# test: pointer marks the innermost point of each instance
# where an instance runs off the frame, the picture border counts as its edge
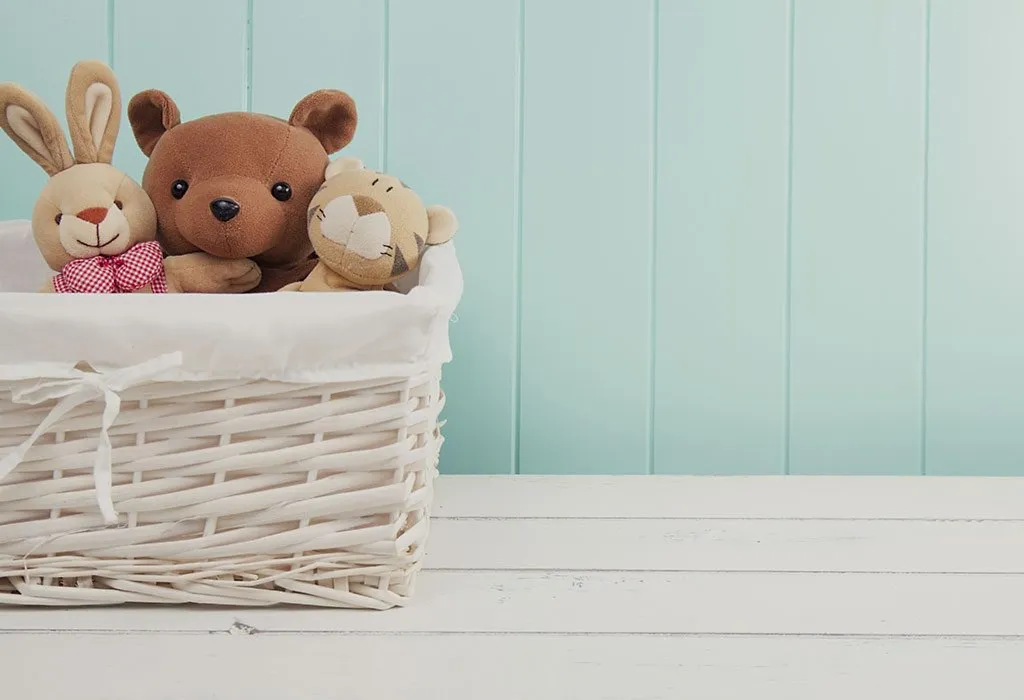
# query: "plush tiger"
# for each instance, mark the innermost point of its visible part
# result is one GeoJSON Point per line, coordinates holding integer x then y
{"type": "Point", "coordinates": [368, 229]}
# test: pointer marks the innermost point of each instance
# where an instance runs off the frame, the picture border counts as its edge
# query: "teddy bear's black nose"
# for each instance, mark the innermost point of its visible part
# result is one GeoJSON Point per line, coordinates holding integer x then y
{"type": "Point", "coordinates": [224, 209]}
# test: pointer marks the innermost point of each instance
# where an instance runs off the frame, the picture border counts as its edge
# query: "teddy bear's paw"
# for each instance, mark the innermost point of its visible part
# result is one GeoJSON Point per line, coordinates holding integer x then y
{"type": "Point", "coordinates": [201, 273]}
{"type": "Point", "coordinates": [241, 275]}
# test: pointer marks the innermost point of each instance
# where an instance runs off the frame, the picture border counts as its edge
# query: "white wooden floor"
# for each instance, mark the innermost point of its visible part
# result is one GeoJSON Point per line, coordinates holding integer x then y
{"type": "Point", "coordinates": [632, 588]}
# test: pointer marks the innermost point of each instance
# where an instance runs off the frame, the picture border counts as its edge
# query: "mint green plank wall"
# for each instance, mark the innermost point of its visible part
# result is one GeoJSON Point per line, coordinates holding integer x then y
{"type": "Point", "coordinates": [33, 54]}
{"type": "Point", "coordinates": [699, 236]}
{"type": "Point", "coordinates": [723, 145]}
{"type": "Point", "coordinates": [975, 388]}
{"type": "Point", "coordinates": [453, 107]}
{"type": "Point", "coordinates": [587, 236]}
{"type": "Point", "coordinates": [149, 51]}
{"type": "Point", "coordinates": [299, 47]}
{"type": "Point", "coordinates": [857, 232]}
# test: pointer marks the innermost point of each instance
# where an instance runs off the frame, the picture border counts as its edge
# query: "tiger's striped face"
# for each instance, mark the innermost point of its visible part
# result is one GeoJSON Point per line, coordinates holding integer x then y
{"type": "Point", "coordinates": [368, 227]}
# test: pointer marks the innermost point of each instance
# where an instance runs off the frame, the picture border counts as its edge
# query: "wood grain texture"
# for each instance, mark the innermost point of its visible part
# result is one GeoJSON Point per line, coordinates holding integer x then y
{"type": "Point", "coordinates": [39, 43]}
{"type": "Point", "coordinates": [625, 544]}
{"type": "Point", "coordinates": [586, 237]}
{"type": "Point", "coordinates": [720, 295]}
{"type": "Point", "coordinates": [298, 48]}
{"type": "Point", "coordinates": [505, 667]}
{"type": "Point", "coordinates": [975, 391]}
{"type": "Point", "coordinates": [747, 497]}
{"type": "Point", "coordinates": [857, 237]}
{"type": "Point", "coordinates": [605, 602]}
{"type": "Point", "coordinates": [452, 134]}
{"type": "Point", "coordinates": [149, 52]}
{"type": "Point", "coordinates": [563, 605]}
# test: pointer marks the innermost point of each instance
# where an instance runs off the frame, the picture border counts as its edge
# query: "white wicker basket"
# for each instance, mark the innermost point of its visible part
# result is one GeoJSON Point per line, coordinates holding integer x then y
{"type": "Point", "coordinates": [254, 450]}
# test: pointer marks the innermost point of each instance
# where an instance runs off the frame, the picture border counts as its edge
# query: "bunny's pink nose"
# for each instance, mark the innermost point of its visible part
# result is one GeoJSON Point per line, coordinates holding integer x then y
{"type": "Point", "coordinates": [94, 215]}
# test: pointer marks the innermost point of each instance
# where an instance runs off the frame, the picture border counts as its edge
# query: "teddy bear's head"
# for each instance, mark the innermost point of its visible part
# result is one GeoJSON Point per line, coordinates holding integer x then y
{"type": "Point", "coordinates": [370, 228]}
{"type": "Point", "coordinates": [237, 185]}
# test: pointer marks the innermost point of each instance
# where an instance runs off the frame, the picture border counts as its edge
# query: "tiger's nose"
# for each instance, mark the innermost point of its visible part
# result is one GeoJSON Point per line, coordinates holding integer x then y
{"type": "Point", "coordinates": [366, 205]}
{"type": "Point", "coordinates": [224, 209]}
{"type": "Point", "coordinates": [94, 215]}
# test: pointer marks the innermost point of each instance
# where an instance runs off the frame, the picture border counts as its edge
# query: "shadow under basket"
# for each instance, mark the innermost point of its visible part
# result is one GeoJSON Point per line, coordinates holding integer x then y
{"type": "Point", "coordinates": [248, 450]}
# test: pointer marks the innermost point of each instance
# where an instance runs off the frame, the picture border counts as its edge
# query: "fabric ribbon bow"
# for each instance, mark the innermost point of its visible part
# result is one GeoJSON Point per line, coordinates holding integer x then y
{"type": "Point", "coordinates": [133, 269]}
{"type": "Point", "coordinates": [77, 388]}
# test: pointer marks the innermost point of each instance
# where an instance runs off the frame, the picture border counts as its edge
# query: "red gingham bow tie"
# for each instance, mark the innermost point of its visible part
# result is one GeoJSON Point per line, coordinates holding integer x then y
{"type": "Point", "coordinates": [133, 269]}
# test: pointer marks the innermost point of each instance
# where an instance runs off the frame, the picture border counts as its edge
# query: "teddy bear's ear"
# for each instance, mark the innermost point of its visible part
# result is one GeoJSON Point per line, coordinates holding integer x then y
{"type": "Point", "coordinates": [443, 225]}
{"type": "Point", "coordinates": [342, 165]}
{"type": "Point", "coordinates": [152, 113]}
{"type": "Point", "coordinates": [330, 115]}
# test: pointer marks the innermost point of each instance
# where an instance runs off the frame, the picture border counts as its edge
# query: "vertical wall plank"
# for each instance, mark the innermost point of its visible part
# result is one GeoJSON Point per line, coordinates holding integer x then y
{"type": "Point", "coordinates": [723, 156]}
{"type": "Point", "coordinates": [39, 43]}
{"type": "Point", "coordinates": [975, 351]}
{"type": "Point", "coordinates": [857, 236]}
{"type": "Point", "coordinates": [195, 52]}
{"type": "Point", "coordinates": [587, 197]}
{"type": "Point", "coordinates": [300, 47]}
{"type": "Point", "coordinates": [452, 135]}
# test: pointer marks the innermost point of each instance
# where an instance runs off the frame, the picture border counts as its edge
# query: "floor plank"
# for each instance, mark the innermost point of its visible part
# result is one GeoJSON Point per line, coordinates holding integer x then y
{"type": "Point", "coordinates": [621, 544]}
{"type": "Point", "coordinates": [269, 667]}
{"type": "Point", "coordinates": [449, 602]}
{"type": "Point", "coordinates": [787, 497]}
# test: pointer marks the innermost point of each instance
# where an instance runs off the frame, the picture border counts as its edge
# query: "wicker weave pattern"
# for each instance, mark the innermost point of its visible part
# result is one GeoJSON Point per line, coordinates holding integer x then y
{"type": "Point", "coordinates": [230, 493]}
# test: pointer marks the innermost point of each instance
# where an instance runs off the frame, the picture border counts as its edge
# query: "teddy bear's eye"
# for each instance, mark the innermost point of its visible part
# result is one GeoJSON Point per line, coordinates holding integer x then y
{"type": "Point", "coordinates": [119, 204]}
{"type": "Point", "coordinates": [179, 188]}
{"type": "Point", "coordinates": [282, 191]}
{"type": "Point", "coordinates": [58, 218]}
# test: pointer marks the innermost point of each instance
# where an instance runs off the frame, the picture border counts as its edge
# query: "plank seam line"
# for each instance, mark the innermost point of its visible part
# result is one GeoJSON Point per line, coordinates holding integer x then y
{"type": "Point", "coordinates": [823, 636]}
{"type": "Point", "coordinates": [788, 312]}
{"type": "Point", "coordinates": [808, 572]}
{"type": "Point", "coordinates": [385, 88]}
{"type": "Point", "coordinates": [924, 234]}
{"type": "Point", "coordinates": [517, 248]}
{"type": "Point", "coordinates": [720, 518]}
{"type": "Point", "coordinates": [652, 263]}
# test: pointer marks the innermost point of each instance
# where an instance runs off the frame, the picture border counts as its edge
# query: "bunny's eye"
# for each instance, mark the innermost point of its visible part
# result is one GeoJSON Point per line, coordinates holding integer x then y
{"type": "Point", "coordinates": [119, 204]}
{"type": "Point", "coordinates": [58, 218]}
{"type": "Point", "coordinates": [179, 188]}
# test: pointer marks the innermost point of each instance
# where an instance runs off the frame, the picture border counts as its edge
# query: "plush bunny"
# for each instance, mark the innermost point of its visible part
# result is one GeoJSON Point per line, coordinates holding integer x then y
{"type": "Point", "coordinates": [369, 230]}
{"type": "Point", "coordinates": [93, 224]}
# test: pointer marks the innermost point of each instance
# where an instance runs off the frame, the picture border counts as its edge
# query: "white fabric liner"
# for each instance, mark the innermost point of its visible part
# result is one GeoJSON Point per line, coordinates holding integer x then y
{"type": "Point", "coordinates": [292, 337]}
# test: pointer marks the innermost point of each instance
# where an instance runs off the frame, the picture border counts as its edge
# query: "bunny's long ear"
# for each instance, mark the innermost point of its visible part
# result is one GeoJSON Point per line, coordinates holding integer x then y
{"type": "Point", "coordinates": [94, 111]}
{"type": "Point", "coordinates": [34, 128]}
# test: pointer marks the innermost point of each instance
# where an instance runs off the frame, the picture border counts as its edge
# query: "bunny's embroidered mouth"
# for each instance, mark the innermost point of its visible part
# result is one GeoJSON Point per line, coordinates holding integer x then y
{"type": "Point", "coordinates": [101, 245]}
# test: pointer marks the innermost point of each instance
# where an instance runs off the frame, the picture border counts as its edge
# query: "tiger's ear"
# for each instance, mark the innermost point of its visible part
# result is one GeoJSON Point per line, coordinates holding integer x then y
{"type": "Point", "coordinates": [342, 165]}
{"type": "Point", "coordinates": [443, 225]}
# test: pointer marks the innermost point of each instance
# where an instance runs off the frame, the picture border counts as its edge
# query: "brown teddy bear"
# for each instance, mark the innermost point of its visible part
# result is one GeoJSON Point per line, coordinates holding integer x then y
{"type": "Point", "coordinates": [369, 230]}
{"type": "Point", "coordinates": [231, 190]}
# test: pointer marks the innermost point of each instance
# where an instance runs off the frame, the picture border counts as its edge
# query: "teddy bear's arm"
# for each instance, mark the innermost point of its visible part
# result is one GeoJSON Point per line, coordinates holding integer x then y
{"type": "Point", "coordinates": [201, 273]}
